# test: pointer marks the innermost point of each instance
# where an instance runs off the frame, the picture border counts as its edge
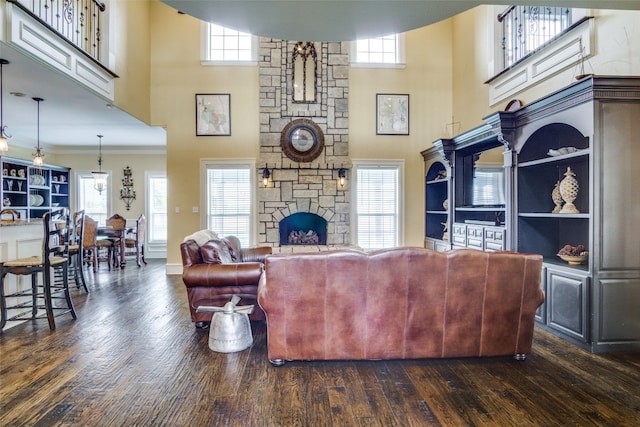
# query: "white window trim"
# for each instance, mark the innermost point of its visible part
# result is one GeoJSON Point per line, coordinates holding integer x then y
{"type": "Point", "coordinates": [204, 51]}
{"type": "Point", "coordinates": [153, 248]}
{"type": "Point", "coordinates": [371, 163]}
{"type": "Point", "coordinates": [87, 174]}
{"type": "Point", "coordinates": [400, 56]}
{"type": "Point", "coordinates": [244, 162]}
{"type": "Point", "coordinates": [559, 55]}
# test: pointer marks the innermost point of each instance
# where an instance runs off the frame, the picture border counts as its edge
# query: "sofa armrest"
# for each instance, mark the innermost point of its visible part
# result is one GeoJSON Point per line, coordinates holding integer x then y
{"type": "Point", "coordinates": [256, 254]}
{"type": "Point", "coordinates": [236, 274]}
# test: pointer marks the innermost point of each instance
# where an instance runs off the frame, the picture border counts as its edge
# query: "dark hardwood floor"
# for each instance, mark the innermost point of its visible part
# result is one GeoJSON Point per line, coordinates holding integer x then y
{"type": "Point", "coordinates": [133, 358]}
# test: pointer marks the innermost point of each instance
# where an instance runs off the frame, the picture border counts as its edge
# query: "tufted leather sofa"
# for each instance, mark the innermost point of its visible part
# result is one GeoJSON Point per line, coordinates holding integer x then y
{"type": "Point", "coordinates": [402, 303]}
{"type": "Point", "coordinates": [214, 269]}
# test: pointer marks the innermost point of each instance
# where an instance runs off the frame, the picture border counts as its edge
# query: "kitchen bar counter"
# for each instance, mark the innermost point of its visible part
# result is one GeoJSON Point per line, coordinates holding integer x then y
{"type": "Point", "coordinates": [19, 239]}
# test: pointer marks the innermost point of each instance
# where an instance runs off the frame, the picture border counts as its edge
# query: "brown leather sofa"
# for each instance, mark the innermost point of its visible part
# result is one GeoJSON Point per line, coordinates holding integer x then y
{"type": "Point", "coordinates": [218, 268]}
{"type": "Point", "coordinates": [402, 303]}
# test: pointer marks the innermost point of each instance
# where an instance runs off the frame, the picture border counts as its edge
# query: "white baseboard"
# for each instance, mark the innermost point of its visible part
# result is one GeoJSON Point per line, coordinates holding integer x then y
{"type": "Point", "coordinates": [173, 269]}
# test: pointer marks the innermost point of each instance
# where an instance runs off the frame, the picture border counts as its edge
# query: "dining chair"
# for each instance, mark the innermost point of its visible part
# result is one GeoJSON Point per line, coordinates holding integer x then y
{"type": "Point", "coordinates": [134, 240]}
{"type": "Point", "coordinates": [40, 299]}
{"type": "Point", "coordinates": [118, 224]}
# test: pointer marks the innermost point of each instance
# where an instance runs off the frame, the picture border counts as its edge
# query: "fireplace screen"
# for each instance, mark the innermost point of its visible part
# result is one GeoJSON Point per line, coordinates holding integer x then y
{"type": "Point", "coordinates": [303, 228]}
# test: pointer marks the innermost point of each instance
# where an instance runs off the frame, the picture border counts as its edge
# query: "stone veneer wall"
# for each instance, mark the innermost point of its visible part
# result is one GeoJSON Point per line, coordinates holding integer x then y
{"type": "Point", "coordinates": [304, 187]}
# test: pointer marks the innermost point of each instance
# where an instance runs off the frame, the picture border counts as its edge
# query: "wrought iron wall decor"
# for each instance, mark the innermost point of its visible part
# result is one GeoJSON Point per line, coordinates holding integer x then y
{"type": "Point", "coordinates": [127, 193]}
{"type": "Point", "coordinates": [304, 64]}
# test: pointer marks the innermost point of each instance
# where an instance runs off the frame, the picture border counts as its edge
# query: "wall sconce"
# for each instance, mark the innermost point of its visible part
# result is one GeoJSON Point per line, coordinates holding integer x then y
{"type": "Point", "coordinates": [127, 193]}
{"type": "Point", "coordinates": [342, 177]}
{"type": "Point", "coordinates": [266, 174]}
{"type": "Point", "coordinates": [99, 177]}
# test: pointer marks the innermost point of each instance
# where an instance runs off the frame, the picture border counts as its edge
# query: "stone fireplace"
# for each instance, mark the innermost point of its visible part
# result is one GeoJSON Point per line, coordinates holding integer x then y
{"type": "Point", "coordinates": [308, 188]}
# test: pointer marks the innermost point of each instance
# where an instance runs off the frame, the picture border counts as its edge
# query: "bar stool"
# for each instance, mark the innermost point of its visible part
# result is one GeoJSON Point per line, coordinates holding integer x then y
{"type": "Point", "coordinates": [42, 295]}
{"type": "Point", "coordinates": [90, 242]}
{"type": "Point", "coordinates": [76, 249]}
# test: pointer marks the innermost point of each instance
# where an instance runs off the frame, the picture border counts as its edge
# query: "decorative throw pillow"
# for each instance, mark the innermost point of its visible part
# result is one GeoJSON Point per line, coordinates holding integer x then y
{"type": "Point", "coordinates": [216, 251]}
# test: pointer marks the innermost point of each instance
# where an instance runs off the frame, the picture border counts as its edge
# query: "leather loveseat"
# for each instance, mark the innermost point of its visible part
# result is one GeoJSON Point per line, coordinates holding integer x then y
{"type": "Point", "coordinates": [214, 269]}
{"type": "Point", "coordinates": [401, 303]}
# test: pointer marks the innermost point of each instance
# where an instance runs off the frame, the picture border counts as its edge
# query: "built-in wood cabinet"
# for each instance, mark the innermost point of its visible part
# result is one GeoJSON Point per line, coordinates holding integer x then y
{"type": "Point", "coordinates": [33, 190]}
{"type": "Point", "coordinates": [437, 193]}
{"type": "Point", "coordinates": [589, 131]}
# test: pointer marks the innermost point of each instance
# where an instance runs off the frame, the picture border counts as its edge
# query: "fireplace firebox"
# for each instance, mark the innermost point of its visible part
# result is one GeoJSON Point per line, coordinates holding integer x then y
{"type": "Point", "coordinates": [303, 228]}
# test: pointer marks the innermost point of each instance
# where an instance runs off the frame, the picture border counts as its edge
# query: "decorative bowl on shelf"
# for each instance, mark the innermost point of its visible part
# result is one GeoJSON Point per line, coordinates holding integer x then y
{"type": "Point", "coordinates": [574, 259]}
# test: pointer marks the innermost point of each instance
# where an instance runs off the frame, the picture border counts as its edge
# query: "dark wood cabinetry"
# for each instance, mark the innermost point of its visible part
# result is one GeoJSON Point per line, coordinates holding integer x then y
{"type": "Point", "coordinates": [437, 192]}
{"type": "Point", "coordinates": [33, 190]}
{"type": "Point", "coordinates": [587, 130]}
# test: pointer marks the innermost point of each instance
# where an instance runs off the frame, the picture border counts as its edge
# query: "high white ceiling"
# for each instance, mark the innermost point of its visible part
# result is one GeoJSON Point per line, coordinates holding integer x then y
{"type": "Point", "coordinates": [71, 116]}
{"type": "Point", "coordinates": [344, 20]}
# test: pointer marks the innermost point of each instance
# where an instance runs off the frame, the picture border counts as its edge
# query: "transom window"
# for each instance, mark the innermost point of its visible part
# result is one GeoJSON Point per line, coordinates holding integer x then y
{"type": "Point", "coordinates": [228, 46]}
{"type": "Point", "coordinates": [379, 51]}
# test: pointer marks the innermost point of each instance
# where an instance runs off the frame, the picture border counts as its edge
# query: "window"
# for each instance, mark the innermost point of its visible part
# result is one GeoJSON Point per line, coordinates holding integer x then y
{"type": "Point", "coordinates": [96, 205]}
{"type": "Point", "coordinates": [378, 193]}
{"type": "Point", "coordinates": [157, 207]}
{"type": "Point", "coordinates": [224, 45]}
{"type": "Point", "coordinates": [380, 51]}
{"type": "Point", "coordinates": [229, 198]}
{"type": "Point", "coordinates": [525, 29]}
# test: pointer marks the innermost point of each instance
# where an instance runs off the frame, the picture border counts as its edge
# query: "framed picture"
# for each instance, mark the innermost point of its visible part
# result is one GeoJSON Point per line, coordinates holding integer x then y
{"type": "Point", "coordinates": [213, 114]}
{"type": "Point", "coordinates": [392, 114]}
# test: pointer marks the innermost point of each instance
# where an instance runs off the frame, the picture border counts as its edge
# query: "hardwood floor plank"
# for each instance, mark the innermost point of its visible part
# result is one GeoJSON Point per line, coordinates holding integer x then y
{"type": "Point", "coordinates": [133, 357]}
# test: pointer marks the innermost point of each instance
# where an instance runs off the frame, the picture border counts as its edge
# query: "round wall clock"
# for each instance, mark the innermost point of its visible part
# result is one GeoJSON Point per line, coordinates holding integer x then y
{"type": "Point", "coordinates": [302, 140]}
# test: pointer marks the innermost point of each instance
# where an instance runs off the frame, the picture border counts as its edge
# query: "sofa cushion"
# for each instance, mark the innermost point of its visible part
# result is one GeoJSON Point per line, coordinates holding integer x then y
{"type": "Point", "coordinates": [216, 251]}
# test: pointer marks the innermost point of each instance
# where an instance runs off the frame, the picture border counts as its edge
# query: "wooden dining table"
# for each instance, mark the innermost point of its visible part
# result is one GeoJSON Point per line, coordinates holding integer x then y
{"type": "Point", "coordinates": [115, 233]}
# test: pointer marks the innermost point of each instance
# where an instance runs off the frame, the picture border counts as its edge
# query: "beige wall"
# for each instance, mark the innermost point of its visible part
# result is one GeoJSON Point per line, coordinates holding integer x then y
{"type": "Point", "coordinates": [131, 37]}
{"type": "Point", "coordinates": [175, 79]}
{"type": "Point", "coordinates": [427, 80]}
{"type": "Point", "coordinates": [114, 163]}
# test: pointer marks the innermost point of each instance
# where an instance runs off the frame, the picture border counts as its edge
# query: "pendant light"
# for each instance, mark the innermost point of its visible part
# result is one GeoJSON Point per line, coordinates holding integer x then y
{"type": "Point", "coordinates": [38, 156]}
{"type": "Point", "coordinates": [99, 177]}
{"type": "Point", "coordinates": [4, 144]}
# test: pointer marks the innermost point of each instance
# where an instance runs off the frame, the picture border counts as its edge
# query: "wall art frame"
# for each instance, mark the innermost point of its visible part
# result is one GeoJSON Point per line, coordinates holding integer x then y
{"type": "Point", "coordinates": [392, 114]}
{"type": "Point", "coordinates": [213, 114]}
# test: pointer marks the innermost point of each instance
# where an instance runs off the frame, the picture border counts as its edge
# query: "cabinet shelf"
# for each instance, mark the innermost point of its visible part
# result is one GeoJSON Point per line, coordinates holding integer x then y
{"type": "Point", "coordinates": [45, 181]}
{"type": "Point", "coordinates": [553, 215]}
{"type": "Point", "coordinates": [480, 209]}
{"type": "Point", "coordinates": [564, 158]}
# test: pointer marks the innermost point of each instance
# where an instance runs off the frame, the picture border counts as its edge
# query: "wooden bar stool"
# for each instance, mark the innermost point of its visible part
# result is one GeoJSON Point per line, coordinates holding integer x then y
{"type": "Point", "coordinates": [76, 249]}
{"type": "Point", "coordinates": [43, 295]}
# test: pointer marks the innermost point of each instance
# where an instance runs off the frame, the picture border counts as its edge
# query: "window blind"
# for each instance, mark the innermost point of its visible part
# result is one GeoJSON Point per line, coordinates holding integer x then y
{"type": "Point", "coordinates": [377, 207]}
{"type": "Point", "coordinates": [229, 201]}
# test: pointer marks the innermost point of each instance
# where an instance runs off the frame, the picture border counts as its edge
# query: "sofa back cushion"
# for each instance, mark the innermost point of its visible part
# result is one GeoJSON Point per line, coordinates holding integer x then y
{"type": "Point", "coordinates": [216, 251]}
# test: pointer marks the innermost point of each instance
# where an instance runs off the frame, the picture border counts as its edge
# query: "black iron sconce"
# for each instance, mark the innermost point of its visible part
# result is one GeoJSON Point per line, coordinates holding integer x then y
{"type": "Point", "coordinates": [266, 174]}
{"type": "Point", "coordinates": [127, 193]}
{"type": "Point", "coordinates": [342, 177]}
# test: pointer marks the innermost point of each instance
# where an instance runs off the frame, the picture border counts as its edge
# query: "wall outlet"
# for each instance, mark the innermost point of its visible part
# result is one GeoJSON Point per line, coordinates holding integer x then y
{"type": "Point", "coordinates": [195, 209]}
